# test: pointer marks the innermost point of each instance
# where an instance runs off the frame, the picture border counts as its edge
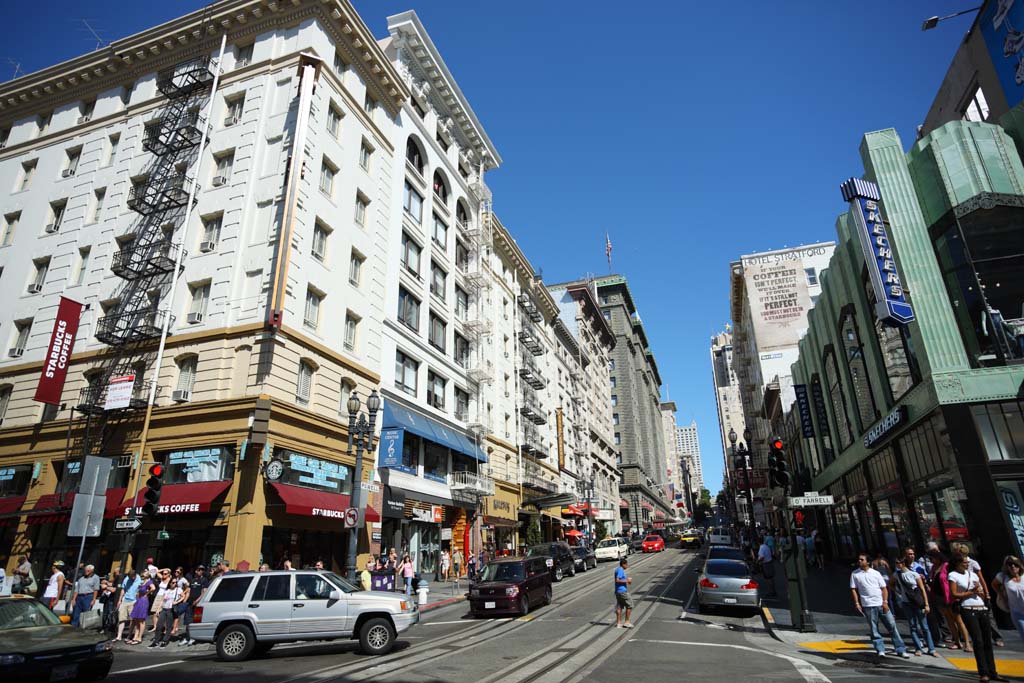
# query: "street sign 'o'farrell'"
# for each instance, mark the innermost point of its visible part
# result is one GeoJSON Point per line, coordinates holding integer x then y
{"type": "Point", "coordinates": [809, 501]}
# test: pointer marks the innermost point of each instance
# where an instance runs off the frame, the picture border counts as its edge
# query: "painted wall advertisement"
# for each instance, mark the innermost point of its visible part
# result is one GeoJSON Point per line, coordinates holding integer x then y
{"type": "Point", "coordinates": [1002, 27]}
{"type": "Point", "coordinates": [779, 300]}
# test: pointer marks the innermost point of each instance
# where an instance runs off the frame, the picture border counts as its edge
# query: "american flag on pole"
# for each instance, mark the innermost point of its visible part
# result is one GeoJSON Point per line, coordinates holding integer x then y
{"type": "Point", "coordinates": [608, 250]}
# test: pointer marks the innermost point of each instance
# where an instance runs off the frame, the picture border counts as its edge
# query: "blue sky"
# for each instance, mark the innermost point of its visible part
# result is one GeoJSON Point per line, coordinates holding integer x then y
{"type": "Point", "coordinates": [692, 132]}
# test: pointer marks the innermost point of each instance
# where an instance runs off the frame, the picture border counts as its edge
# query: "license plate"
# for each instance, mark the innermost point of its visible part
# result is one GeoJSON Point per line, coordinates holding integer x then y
{"type": "Point", "coordinates": [63, 673]}
{"type": "Point", "coordinates": [730, 601]}
{"type": "Point", "coordinates": [489, 605]}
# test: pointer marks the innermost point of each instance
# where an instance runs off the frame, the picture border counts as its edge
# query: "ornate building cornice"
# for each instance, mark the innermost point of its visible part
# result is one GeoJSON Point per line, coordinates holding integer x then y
{"type": "Point", "coordinates": [163, 46]}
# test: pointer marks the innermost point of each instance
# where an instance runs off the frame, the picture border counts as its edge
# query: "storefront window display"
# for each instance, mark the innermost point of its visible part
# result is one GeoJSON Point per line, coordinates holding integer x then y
{"type": "Point", "coordinates": [428, 546]}
{"type": "Point", "coordinates": [14, 480]}
{"type": "Point", "coordinates": [1001, 428]}
{"type": "Point", "coordinates": [213, 463]}
{"type": "Point", "coordinates": [309, 472]}
{"type": "Point", "coordinates": [435, 462]}
{"type": "Point", "coordinates": [410, 454]}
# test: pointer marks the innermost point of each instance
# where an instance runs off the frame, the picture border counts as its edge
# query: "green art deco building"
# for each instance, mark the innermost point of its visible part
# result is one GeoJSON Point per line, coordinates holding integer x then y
{"type": "Point", "coordinates": [917, 430]}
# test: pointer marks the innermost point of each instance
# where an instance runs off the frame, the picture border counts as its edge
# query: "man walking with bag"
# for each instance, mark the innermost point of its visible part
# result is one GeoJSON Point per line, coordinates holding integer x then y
{"type": "Point", "coordinates": [871, 598]}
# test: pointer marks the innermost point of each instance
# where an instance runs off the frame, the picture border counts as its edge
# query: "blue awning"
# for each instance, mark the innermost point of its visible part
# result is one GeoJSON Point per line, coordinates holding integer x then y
{"type": "Point", "coordinates": [400, 417]}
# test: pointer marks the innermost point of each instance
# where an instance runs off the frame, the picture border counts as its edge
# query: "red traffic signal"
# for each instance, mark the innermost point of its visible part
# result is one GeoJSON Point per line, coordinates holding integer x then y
{"type": "Point", "coordinates": [777, 444]}
{"type": "Point", "coordinates": [156, 470]}
{"type": "Point", "coordinates": [798, 516]}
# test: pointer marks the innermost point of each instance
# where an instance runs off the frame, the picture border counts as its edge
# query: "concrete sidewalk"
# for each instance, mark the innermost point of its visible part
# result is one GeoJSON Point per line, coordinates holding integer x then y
{"type": "Point", "coordinates": [842, 633]}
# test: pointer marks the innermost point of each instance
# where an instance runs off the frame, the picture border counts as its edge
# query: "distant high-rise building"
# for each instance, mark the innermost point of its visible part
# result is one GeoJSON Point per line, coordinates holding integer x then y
{"type": "Point", "coordinates": [727, 399]}
{"type": "Point", "coordinates": [688, 447]}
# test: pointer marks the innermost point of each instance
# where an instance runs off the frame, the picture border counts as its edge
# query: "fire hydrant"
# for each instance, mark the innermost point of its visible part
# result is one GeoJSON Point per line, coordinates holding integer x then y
{"type": "Point", "coordinates": [422, 590]}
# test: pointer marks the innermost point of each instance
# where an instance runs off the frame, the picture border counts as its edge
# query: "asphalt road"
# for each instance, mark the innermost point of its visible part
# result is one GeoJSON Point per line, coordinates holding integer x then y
{"type": "Point", "coordinates": [573, 639]}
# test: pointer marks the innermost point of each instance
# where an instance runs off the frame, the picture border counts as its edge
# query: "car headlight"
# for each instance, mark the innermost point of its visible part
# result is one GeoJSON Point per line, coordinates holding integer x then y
{"type": "Point", "coordinates": [408, 606]}
{"type": "Point", "coordinates": [105, 646]}
{"type": "Point", "coordinates": [8, 660]}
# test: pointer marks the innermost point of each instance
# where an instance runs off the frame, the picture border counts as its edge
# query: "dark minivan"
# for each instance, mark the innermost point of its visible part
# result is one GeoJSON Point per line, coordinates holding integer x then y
{"type": "Point", "coordinates": [510, 586]}
{"type": "Point", "coordinates": [563, 562]}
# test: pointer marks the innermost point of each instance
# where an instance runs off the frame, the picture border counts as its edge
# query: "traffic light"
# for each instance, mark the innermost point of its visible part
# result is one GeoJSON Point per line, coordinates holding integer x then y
{"type": "Point", "coordinates": [778, 468]}
{"type": "Point", "coordinates": [152, 495]}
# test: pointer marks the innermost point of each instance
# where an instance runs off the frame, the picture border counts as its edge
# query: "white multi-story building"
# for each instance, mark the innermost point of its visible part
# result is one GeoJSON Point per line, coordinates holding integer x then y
{"type": "Point", "coordinates": [688, 447]}
{"type": "Point", "coordinates": [674, 472]}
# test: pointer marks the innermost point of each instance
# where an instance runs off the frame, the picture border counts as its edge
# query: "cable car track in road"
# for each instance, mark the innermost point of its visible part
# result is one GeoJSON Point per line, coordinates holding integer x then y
{"type": "Point", "coordinates": [429, 650]}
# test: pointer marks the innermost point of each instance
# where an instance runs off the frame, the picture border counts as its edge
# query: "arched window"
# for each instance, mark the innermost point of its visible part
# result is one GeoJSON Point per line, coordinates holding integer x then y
{"type": "Point", "coordinates": [414, 155]}
{"type": "Point", "coordinates": [440, 188]}
{"type": "Point", "coordinates": [187, 367]}
{"type": "Point", "coordinates": [835, 392]}
{"type": "Point", "coordinates": [854, 351]}
{"type": "Point", "coordinates": [304, 383]}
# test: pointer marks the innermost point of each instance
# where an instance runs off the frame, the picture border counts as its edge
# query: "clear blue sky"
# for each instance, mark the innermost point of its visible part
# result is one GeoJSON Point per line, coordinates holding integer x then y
{"type": "Point", "coordinates": [692, 132]}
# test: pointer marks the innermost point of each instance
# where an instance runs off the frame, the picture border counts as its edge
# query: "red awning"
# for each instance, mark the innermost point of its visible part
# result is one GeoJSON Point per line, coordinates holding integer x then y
{"type": "Point", "coordinates": [312, 503]}
{"type": "Point", "coordinates": [8, 506]}
{"type": "Point", "coordinates": [584, 507]}
{"type": "Point", "coordinates": [115, 503]}
{"type": "Point", "coordinates": [623, 503]}
{"type": "Point", "coordinates": [62, 513]}
{"type": "Point", "coordinates": [572, 510]}
{"type": "Point", "coordinates": [659, 514]}
{"type": "Point", "coordinates": [647, 506]}
{"type": "Point", "coordinates": [176, 499]}
{"type": "Point", "coordinates": [573, 532]}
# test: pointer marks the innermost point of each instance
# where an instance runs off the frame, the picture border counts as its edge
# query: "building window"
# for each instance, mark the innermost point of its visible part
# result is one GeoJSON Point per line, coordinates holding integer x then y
{"type": "Point", "coordinates": [461, 405]}
{"type": "Point", "coordinates": [99, 197]}
{"type": "Point", "coordinates": [320, 233]}
{"type": "Point", "coordinates": [612, 381]}
{"type": "Point", "coordinates": [327, 173]}
{"type": "Point", "coordinates": [461, 256]}
{"type": "Point", "coordinates": [615, 418]}
{"type": "Point", "coordinates": [435, 390]}
{"type": "Point", "coordinates": [41, 268]}
{"type": "Point", "coordinates": [812, 276]}
{"type": "Point", "coordinates": [28, 171]}
{"type": "Point", "coordinates": [461, 351]}
{"type": "Point", "coordinates": [22, 329]}
{"type": "Point", "coordinates": [243, 55]}
{"type": "Point", "coordinates": [408, 309]}
{"type": "Point", "coordinates": [618, 438]}
{"type": "Point", "coordinates": [339, 64]}
{"type": "Point", "coordinates": [56, 215]}
{"type": "Point", "coordinates": [413, 203]}
{"type": "Point", "coordinates": [611, 364]}
{"type": "Point", "coordinates": [414, 155]}
{"type": "Point", "coordinates": [411, 255]}
{"type": "Point", "coordinates": [345, 390]}
{"type": "Point", "coordinates": [311, 316]}
{"type": "Point", "coordinates": [355, 268]}
{"type": "Point", "coordinates": [351, 330]}
{"type": "Point", "coordinates": [86, 110]}
{"type": "Point", "coordinates": [607, 314]}
{"type": "Point", "coordinates": [369, 104]}
{"type": "Point", "coordinates": [211, 234]}
{"type": "Point", "coordinates": [365, 152]}
{"type": "Point", "coordinates": [461, 303]}
{"type": "Point", "coordinates": [225, 162]}
{"type": "Point", "coordinates": [333, 121]}
{"type": "Point", "coordinates": [5, 400]}
{"type": "Point", "coordinates": [438, 281]}
{"type": "Point", "coordinates": [200, 300]}
{"type": "Point", "coordinates": [5, 135]}
{"type": "Point", "coordinates": [976, 108]}
{"type": "Point", "coordinates": [863, 394]}
{"type": "Point", "coordinates": [187, 373]}
{"type": "Point", "coordinates": [438, 332]}
{"type": "Point", "coordinates": [10, 225]}
{"type": "Point", "coordinates": [83, 265]}
{"type": "Point", "coordinates": [615, 400]}
{"type": "Point", "coordinates": [838, 399]}
{"type": "Point", "coordinates": [112, 143]}
{"type": "Point", "coordinates": [71, 165]}
{"type": "Point", "coordinates": [405, 373]}
{"type": "Point", "coordinates": [440, 189]}
{"type": "Point", "coordinates": [233, 115]}
{"type": "Point", "coordinates": [304, 383]}
{"type": "Point", "coordinates": [440, 234]}
{"type": "Point", "coordinates": [362, 204]}
{"type": "Point", "coordinates": [43, 123]}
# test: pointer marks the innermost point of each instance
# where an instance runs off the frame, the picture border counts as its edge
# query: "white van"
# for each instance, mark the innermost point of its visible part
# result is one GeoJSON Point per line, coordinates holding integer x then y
{"type": "Point", "coordinates": [720, 535]}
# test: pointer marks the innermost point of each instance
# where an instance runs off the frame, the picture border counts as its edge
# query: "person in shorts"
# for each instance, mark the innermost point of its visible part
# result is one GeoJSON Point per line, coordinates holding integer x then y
{"type": "Point", "coordinates": [623, 601]}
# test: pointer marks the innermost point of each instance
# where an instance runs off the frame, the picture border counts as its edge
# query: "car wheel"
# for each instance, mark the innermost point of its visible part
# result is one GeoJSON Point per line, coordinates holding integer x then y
{"type": "Point", "coordinates": [558, 574]}
{"type": "Point", "coordinates": [235, 643]}
{"type": "Point", "coordinates": [262, 649]}
{"type": "Point", "coordinates": [572, 569]}
{"type": "Point", "coordinates": [547, 595]}
{"type": "Point", "coordinates": [377, 636]}
{"type": "Point", "coordinates": [524, 605]}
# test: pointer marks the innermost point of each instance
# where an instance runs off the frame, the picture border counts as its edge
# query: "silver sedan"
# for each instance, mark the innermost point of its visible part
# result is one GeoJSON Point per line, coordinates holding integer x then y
{"type": "Point", "coordinates": [726, 583]}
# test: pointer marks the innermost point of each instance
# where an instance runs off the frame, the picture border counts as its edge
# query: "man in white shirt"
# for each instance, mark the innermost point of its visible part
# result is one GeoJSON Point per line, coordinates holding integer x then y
{"type": "Point", "coordinates": [766, 561]}
{"type": "Point", "coordinates": [871, 598]}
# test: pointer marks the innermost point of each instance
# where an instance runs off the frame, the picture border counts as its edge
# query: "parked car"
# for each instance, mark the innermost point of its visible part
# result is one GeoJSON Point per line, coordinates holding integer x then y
{"type": "Point", "coordinates": [36, 645]}
{"type": "Point", "coordinates": [691, 539]}
{"type": "Point", "coordinates": [511, 586]}
{"type": "Point", "coordinates": [636, 544]}
{"type": "Point", "coordinates": [653, 544]}
{"type": "Point", "coordinates": [584, 557]}
{"type": "Point", "coordinates": [725, 583]}
{"type": "Point", "coordinates": [611, 549]}
{"type": "Point", "coordinates": [562, 563]}
{"type": "Point", "coordinates": [719, 535]}
{"type": "Point", "coordinates": [248, 613]}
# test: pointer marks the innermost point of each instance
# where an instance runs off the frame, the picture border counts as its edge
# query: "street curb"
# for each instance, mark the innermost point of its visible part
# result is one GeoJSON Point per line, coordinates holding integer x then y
{"type": "Point", "coordinates": [769, 623]}
{"type": "Point", "coordinates": [442, 603]}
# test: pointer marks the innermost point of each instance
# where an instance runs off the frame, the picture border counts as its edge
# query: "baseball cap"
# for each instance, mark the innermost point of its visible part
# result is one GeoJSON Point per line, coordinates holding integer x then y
{"type": "Point", "coordinates": [58, 563]}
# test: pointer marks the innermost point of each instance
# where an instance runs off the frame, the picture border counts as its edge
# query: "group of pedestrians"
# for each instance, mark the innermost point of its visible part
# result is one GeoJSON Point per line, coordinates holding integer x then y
{"type": "Point", "coordinates": [946, 600]}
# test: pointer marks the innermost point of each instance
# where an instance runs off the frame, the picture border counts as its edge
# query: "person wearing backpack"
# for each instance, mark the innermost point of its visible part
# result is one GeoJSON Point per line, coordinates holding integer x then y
{"type": "Point", "coordinates": [912, 599]}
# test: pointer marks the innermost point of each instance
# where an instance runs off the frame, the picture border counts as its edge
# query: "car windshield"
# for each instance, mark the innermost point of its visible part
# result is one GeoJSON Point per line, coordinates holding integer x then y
{"type": "Point", "coordinates": [502, 571]}
{"type": "Point", "coordinates": [16, 614]}
{"type": "Point", "coordinates": [721, 553]}
{"type": "Point", "coordinates": [652, 539]}
{"type": "Point", "coordinates": [726, 568]}
{"type": "Point", "coordinates": [607, 544]}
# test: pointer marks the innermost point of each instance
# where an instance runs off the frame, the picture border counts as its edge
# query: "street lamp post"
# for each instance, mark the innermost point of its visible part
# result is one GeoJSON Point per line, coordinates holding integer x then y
{"type": "Point", "coordinates": [685, 467]}
{"type": "Point", "coordinates": [636, 513]}
{"type": "Point", "coordinates": [360, 434]}
{"type": "Point", "coordinates": [744, 453]}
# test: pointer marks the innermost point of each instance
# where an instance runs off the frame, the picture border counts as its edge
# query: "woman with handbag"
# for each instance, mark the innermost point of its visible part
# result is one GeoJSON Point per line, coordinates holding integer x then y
{"type": "Point", "coordinates": [967, 587]}
{"type": "Point", "coordinates": [938, 582]}
{"type": "Point", "coordinates": [1009, 588]}
{"type": "Point", "coordinates": [912, 599]}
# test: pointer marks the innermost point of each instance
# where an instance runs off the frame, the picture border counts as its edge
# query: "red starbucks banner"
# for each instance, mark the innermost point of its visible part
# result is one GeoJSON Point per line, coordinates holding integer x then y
{"type": "Point", "coordinates": [58, 352]}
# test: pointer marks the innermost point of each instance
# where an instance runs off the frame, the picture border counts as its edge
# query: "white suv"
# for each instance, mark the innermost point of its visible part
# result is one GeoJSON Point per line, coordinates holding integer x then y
{"type": "Point", "coordinates": [611, 549]}
{"type": "Point", "coordinates": [247, 613]}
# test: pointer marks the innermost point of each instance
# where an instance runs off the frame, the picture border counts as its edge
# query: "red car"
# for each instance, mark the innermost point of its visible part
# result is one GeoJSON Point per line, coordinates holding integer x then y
{"type": "Point", "coordinates": [653, 544]}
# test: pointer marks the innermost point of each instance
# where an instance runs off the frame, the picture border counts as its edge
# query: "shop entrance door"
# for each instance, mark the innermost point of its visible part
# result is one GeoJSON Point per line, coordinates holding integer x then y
{"type": "Point", "coordinates": [313, 611]}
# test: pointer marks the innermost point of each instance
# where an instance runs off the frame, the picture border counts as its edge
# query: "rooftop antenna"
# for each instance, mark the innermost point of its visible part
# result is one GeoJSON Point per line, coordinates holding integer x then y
{"type": "Point", "coordinates": [17, 68]}
{"type": "Point", "coordinates": [99, 41]}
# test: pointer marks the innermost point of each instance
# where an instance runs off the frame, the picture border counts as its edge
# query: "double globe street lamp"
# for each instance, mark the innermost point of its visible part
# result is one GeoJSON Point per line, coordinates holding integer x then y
{"type": "Point", "coordinates": [360, 434]}
{"type": "Point", "coordinates": [742, 455]}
